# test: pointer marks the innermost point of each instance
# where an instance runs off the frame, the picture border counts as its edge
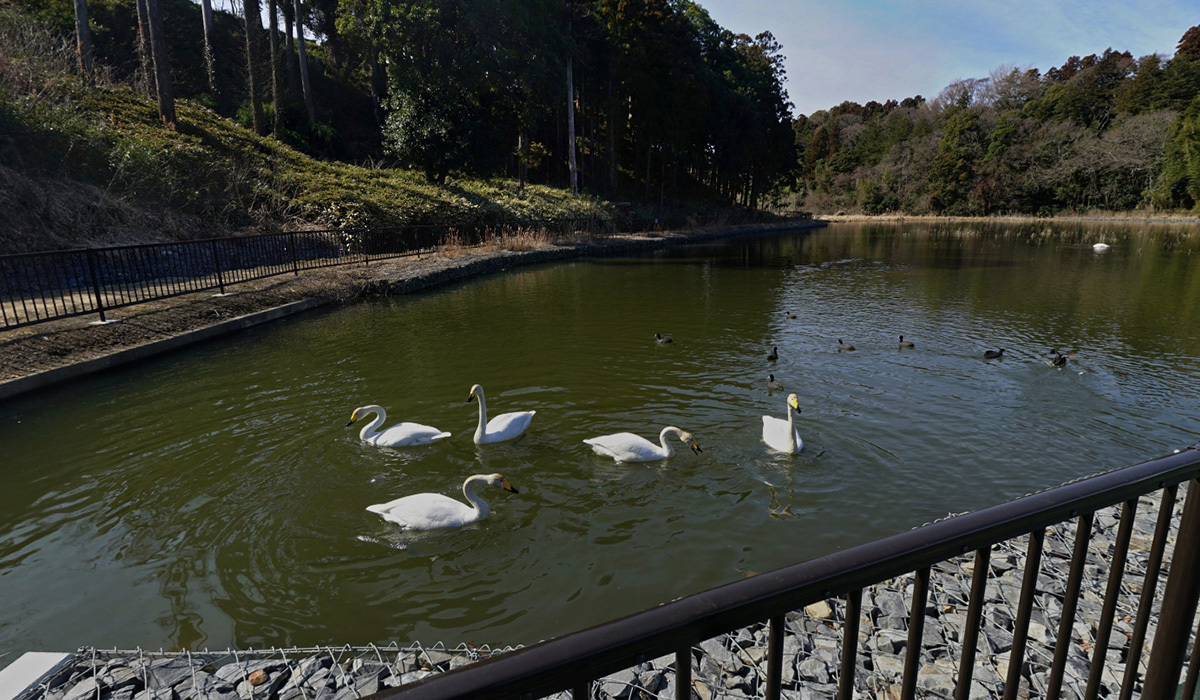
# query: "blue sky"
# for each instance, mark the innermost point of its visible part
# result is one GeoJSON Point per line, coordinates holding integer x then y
{"type": "Point", "coordinates": [859, 50]}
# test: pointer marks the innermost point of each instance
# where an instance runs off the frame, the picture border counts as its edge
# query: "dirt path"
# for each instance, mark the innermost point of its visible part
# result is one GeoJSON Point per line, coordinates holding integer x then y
{"type": "Point", "coordinates": [36, 349]}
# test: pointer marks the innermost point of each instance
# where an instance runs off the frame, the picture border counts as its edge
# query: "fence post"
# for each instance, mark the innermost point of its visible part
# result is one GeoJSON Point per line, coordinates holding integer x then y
{"type": "Point", "coordinates": [1178, 605]}
{"type": "Point", "coordinates": [217, 264]}
{"type": "Point", "coordinates": [91, 255]}
{"type": "Point", "coordinates": [295, 256]}
{"type": "Point", "coordinates": [362, 241]}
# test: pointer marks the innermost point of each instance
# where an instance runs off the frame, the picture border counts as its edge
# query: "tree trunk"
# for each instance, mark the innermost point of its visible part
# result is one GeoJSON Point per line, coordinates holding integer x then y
{"type": "Point", "coordinates": [252, 14]}
{"type": "Point", "coordinates": [378, 82]}
{"type": "Point", "coordinates": [520, 161]}
{"type": "Point", "coordinates": [304, 82]}
{"type": "Point", "coordinates": [162, 70]}
{"type": "Point", "coordinates": [273, 43]}
{"type": "Point", "coordinates": [144, 50]}
{"type": "Point", "coordinates": [83, 41]}
{"type": "Point", "coordinates": [210, 34]}
{"type": "Point", "coordinates": [289, 51]}
{"type": "Point", "coordinates": [612, 141]}
{"type": "Point", "coordinates": [571, 128]}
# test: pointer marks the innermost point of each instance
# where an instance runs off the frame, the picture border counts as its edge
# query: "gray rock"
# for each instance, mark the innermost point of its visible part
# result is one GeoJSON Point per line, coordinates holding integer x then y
{"type": "Point", "coordinates": [156, 694]}
{"type": "Point", "coordinates": [618, 685]}
{"type": "Point", "coordinates": [83, 690]}
{"type": "Point", "coordinates": [652, 680]}
{"type": "Point", "coordinates": [240, 671]}
{"type": "Point", "coordinates": [890, 603]}
{"type": "Point", "coordinates": [813, 669]}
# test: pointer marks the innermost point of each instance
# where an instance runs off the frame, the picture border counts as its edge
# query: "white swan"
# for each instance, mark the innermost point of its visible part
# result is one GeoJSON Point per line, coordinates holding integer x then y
{"type": "Point", "coordinates": [399, 435]}
{"type": "Point", "coordinates": [781, 434]}
{"type": "Point", "coordinates": [1100, 247]}
{"type": "Point", "coordinates": [627, 447]}
{"type": "Point", "coordinates": [504, 427]}
{"type": "Point", "coordinates": [429, 511]}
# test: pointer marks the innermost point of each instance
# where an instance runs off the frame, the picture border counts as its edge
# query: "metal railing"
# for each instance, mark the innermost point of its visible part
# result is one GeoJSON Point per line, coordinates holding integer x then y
{"type": "Point", "coordinates": [39, 287]}
{"type": "Point", "coordinates": [572, 663]}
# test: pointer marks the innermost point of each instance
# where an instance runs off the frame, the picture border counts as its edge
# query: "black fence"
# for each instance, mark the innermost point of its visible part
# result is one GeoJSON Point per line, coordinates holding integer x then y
{"type": "Point", "coordinates": [572, 663]}
{"type": "Point", "coordinates": [38, 287]}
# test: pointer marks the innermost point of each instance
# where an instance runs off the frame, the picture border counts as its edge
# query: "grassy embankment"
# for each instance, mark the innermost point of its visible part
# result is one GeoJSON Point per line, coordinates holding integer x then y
{"type": "Point", "coordinates": [94, 166]}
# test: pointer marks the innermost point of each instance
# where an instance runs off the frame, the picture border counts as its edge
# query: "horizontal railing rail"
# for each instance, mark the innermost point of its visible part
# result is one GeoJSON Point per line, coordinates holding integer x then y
{"type": "Point", "coordinates": [39, 287]}
{"type": "Point", "coordinates": [573, 662]}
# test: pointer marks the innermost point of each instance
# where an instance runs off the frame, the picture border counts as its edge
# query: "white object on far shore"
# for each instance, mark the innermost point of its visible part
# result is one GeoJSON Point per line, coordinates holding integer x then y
{"type": "Point", "coordinates": [502, 428]}
{"type": "Point", "coordinates": [780, 434]}
{"type": "Point", "coordinates": [627, 447]}
{"type": "Point", "coordinates": [1100, 247]}
{"type": "Point", "coordinates": [429, 511]}
{"type": "Point", "coordinates": [399, 435]}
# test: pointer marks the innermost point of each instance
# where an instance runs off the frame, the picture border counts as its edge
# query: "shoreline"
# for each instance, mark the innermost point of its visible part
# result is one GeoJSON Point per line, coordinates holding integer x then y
{"type": "Point", "coordinates": [1007, 219]}
{"type": "Point", "coordinates": [48, 354]}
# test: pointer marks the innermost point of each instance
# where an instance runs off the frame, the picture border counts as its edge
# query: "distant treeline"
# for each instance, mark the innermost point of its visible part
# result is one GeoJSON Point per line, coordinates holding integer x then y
{"type": "Point", "coordinates": [1106, 131]}
{"type": "Point", "coordinates": [645, 99]}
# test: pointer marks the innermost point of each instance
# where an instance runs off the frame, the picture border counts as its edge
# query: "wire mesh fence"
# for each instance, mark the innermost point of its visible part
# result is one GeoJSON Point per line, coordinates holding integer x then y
{"type": "Point", "coordinates": [38, 287]}
{"type": "Point", "coordinates": [290, 673]}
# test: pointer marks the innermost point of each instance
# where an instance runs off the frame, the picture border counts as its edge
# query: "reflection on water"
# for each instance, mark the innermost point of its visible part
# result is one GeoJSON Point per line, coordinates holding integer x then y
{"type": "Point", "coordinates": [214, 496]}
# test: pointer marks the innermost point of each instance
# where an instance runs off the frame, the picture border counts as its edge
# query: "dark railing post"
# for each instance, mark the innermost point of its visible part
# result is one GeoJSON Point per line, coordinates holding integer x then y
{"type": "Point", "coordinates": [850, 644]}
{"type": "Point", "coordinates": [1179, 603]}
{"type": "Point", "coordinates": [1149, 587]}
{"type": "Point", "coordinates": [916, 633]}
{"type": "Point", "coordinates": [91, 255]}
{"type": "Point", "coordinates": [683, 674]}
{"type": "Point", "coordinates": [295, 255]}
{"type": "Point", "coordinates": [1016, 654]}
{"type": "Point", "coordinates": [1062, 645]}
{"type": "Point", "coordinates": [217, 264]}
{"type": "Point", "coordinates": [774, 657]}
{"type": "Point", "coordinates": [1116, 572]}
{"type": "Point", "coordinates": [979, 576]}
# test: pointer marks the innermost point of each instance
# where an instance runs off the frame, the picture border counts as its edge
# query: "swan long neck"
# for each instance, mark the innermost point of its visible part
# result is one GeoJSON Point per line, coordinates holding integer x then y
{"type": "Point", "coordinates": [479, 431]}
{"type": "Point", "coordinates": [791, 424]}
{"type": "Point", "coordinates": [371, 429]}
{"type": "Point", "coordinates": [480, 505]}
{"type": "Point", "coordinates": [662, 439]}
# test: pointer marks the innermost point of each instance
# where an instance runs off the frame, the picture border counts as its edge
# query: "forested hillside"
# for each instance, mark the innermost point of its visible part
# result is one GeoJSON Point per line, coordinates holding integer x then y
{"type": "Point", "coordinates": [1107, 131]}
{"type": "Point", "coordinates": [647, 100]}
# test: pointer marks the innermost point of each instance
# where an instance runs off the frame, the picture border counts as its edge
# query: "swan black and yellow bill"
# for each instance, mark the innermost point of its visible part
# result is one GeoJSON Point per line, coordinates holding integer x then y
{"type": "Point", "coordinates": [696, 447]}
{"type": "Point", "coordinates": [507, 486]}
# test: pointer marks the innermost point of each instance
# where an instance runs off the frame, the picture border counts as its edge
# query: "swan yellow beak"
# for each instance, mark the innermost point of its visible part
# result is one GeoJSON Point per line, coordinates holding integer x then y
{"type": "Point", "coordinates": [696, 447]}
{"type": "Point", "coordinates": [794, 402]}
{"type": "Point", "coordinates": [471, 397]}
{"type": "Point", "coordinates": [353, 417]}
{"type": "Point", "coordinates": [505, 485]}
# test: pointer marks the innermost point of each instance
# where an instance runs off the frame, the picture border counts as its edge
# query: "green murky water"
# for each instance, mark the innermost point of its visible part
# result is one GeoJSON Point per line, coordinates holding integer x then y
{"type": "Point", "coordinates": [214, 496]}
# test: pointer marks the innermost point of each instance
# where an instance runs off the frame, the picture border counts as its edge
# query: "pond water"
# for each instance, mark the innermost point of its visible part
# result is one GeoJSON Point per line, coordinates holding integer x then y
{"type": "Point", "coordinates": [215, 497]}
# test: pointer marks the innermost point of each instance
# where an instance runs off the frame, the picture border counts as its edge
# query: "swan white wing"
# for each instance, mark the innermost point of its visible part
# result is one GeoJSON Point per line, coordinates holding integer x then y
{"type": "Point", "coordinates": [426, 511]}
{"type": "Point", "coordinates": [507, 426]}
{"type": "Point", "coordinates": [626, 447]}
{"type": "Point", "coordinates": [778, 435]}
{"type": "Point", "coordinates": [404, 434]}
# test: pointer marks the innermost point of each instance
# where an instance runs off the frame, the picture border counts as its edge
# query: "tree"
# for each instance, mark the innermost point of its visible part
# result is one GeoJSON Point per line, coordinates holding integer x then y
{"type": "Point", "coordinates": [273, 45]}
{"type": "Point", "coordinates": [1189, 43]}
{"type": "Point", "coordinates": [953, 167]}
{"type": "Point", "coordinates": [305, 83]}
{"type": "Point", "coordinates": [162, 70]}
{"type": "Point", "coordinates": [83, 41]}
{"type": "Point", "coordinates": [252, 13]}
{"type": "Point", "coordinates": [210, 31]}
